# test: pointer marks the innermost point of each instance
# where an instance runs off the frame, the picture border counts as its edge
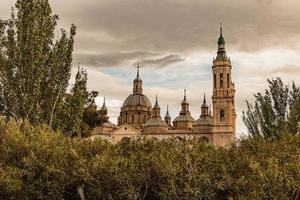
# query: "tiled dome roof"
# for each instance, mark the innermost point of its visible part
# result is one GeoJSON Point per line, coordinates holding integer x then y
{"type": "Point", "coordinates": [204, 121]}
{"type": "Point", "coordinates": [137, 100]}
{"type": "Point", "coordinates": [184, 118]}
{"type": "Point", "coordinates": [156, 122]}
{"type": "Point", "coordinates": [109, 124]}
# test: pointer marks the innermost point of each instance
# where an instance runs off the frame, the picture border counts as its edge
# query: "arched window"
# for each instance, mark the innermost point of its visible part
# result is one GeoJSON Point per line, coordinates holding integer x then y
{"type": "Point", "coordinates": [215, 81]}
{"type": "Point", "coordinates": [125, 140]}
{"type": "Point", "coordinates": [221, 80]}
{"type": "Point", "coordinates": [145, 119]}
{"type": "Point", "coordinates": [132, 118]}
{"type": "Point", "coordinates": [204, 140]}
{"type": "Point", "coordinates": [228, 80]}
{"type": "Point", "coordinates": [222, 116]}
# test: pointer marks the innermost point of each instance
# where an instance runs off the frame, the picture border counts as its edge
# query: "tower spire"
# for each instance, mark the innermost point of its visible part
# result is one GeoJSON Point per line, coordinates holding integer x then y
{"type": "Point", "coordinates": [168, 117]}
{"type": "Point", "coordinates": [156, 109]}
{"type": "Point", "coordinates": [184, 98]}
{"type": "Point", "coordinates": [138, 71]}
{"type": "Point", "coordinates": [104, 108]}
{"type": "Point", "coordinates": [204, 101]}
{"type": "Point", "coordinates": [138, 83]}
{"type": "Point", "coordinates": [221, 29]}
{"type": "Point", "coordinates": [221, 46]}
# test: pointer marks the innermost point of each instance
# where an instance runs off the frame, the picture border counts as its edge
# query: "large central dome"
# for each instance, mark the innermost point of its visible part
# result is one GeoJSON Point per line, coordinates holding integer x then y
{"type": "Point", "coordinates": [134, 100]}
{"type": "Point", "coordinates": [137, 108]}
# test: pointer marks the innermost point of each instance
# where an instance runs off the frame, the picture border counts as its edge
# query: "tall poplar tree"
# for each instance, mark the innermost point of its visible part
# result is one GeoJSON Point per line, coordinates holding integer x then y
{"type": "Point", "coordinates": [70, 113]}
{"type": "Point", "coordinates": [34, 67]}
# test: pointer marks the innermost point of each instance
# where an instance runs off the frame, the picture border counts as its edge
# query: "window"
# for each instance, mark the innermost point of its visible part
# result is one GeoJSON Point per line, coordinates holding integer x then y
{"type": "Point", "coordinates": [215, 81]}
{"type": "Point", "coordinates": [221, 80]}
{"type": "Point", "coordinates": [228, 80]}
{"type": "Point", "coordinates": [222, 116]}
{"type": "Point", "coordinates": [132, 119]}
{"type": "Point", "coordinates": [204, 140]}
{"type": "Point", "coordinates": [145, 119]}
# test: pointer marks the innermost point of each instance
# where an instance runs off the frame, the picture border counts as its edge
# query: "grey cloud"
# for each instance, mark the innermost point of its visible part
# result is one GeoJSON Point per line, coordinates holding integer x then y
{"type": "Point", "coordinates": [289, 69]}
{"type": "Point", "coordinates": [177, 26]}
{"type": "Point", "coordinates": [111, 59]}
{"type": "Point", "coordinates": [162, 62]}
{"type": "Point", "coordinates": [114, 59]}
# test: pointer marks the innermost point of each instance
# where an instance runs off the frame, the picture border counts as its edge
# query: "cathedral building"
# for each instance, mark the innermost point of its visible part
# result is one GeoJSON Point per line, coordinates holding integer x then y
{"type": "Point", "coordinates": [216, 125]}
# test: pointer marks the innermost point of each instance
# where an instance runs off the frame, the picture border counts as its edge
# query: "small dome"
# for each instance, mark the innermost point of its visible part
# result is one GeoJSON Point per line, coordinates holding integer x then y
{"type": "Point", "coordinates": [137, 100]}
{"type": "Point", "coordinates": [184, 118]}
{"type": "Point", "coordinates": [204, 121]}
{"type": "Point", "coordinates": [138, 79]}
{"type": "Point", "coordinates": [109, 125]}
{"type": "Point", "coordinates": [156, 122]}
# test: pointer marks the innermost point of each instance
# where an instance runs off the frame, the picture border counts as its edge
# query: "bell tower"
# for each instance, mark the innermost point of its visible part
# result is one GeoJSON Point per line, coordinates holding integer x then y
{"type": "Point", "coordinates": [224, 115]}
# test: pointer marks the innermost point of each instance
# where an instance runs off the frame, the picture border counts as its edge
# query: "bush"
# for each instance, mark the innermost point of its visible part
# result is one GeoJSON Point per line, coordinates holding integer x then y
{"type": "Point", "coordinates": [38, 163]}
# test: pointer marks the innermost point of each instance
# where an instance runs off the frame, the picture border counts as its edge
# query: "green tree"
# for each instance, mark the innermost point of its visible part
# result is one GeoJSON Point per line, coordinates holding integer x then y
{"type": "Point", "coordinates": [70, 118]}
{"type": "Point", "coordinates": [274, 112]}
{"type": "Point", "coordinates": [92, 116]}
{"type": "Point", "coordinates": [34, 68]}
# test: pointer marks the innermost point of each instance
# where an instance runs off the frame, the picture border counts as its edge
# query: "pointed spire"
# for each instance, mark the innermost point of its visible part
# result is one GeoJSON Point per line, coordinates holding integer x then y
{"type": "Point", "coordinates": [156, 102]}
{"type": "Point", "coordinates": [221, 46]}
{"type": "Point", "coordinates": [104, 108]}
{"type": "Point", "coordinates": [156, 109]}
{"type": "Point", "coordinates": [204, 105]}
{"type": "Point", "coordinates": [138, 71]}
{"type": "Point", "coordinates": [138, 83]}
{"type": "Point", "coordinates": [184, 94]}
{"type": "Point", "coordinates": [168, 117]}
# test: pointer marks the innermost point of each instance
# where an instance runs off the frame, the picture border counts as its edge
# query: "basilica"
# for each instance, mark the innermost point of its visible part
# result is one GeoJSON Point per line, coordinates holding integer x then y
{"type": "Point", "coordinates": [217, 126]}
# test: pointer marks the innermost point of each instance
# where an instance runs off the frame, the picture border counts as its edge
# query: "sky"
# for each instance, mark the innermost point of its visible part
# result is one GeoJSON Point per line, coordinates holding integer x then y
{"type": "Point", "coordinates": [175, 42]}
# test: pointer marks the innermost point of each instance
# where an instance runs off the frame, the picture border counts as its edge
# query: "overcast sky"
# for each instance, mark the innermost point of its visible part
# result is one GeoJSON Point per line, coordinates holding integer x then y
{"type": "Point", "coordinates": [175, 41]}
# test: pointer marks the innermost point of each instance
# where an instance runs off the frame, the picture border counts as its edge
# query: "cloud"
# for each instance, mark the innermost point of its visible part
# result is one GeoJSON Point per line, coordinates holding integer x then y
{"type": "Point", "coordinates": [112, 59]}
{"type": "Point", "coordinates": [162, 62]}
{"type": "Point", "coordinates": [182, 26]}
{"type": "Point", "coordinates": [177, 26]}
{"type": "Point", "coordinates": [115, 59]}
{"type": "Point", "coordinates": [288, 69]}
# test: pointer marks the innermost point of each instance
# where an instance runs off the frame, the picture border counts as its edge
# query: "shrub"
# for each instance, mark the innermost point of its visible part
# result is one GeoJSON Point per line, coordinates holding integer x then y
{"type": "Point", "coordinates": [38, 163]}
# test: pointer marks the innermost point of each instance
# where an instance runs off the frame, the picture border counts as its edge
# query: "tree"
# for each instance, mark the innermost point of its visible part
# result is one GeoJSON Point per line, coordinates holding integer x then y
{"type": "Point", "coordinates": [92, 116]}
{"type": "Point", "coordinates": [34, 70]}
{"type": "Point", "coordinates": [70, 118]}
{"type": "Point", "coordinates": [275, 112]}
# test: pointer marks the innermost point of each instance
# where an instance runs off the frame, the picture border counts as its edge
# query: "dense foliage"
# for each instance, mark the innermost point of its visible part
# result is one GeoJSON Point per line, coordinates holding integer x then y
{"type": "Point", "coordinates": [37, 163]}
{"type": "Point", "coordinates": [275, 112]}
